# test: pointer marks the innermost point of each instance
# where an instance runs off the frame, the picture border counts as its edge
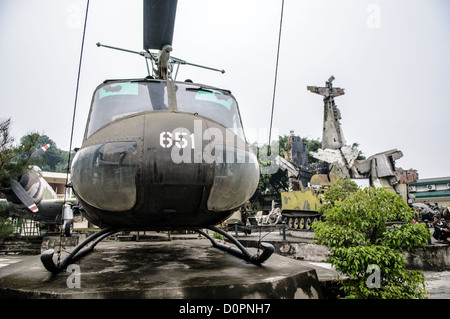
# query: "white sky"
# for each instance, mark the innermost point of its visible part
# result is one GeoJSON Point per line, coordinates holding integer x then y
{"type": "Point", "coordinates": [391, 56]}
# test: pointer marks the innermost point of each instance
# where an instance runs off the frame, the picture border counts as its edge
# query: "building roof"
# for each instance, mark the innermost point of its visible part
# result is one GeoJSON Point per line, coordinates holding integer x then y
{"type": "Point", "coordinates": [53, 177]}
{"type": "Point", "coordinates": [436, 180]}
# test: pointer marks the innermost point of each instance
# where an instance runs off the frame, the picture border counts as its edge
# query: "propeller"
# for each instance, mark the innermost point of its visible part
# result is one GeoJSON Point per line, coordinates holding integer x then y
{"type": "Point", "coordinates": [39, 152]}
{"type": "Point", "coordinates": [22, 194]}
{"type": "Point", "coordinates": [20, 191]}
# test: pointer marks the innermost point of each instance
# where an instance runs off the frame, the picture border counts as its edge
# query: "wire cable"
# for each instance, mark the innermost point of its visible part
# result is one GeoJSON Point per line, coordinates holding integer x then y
{"type": "Point", "coordinates": [74, 112]}
{"type": "Point", "coordinates": [276, 76]}
{"type": "Point", "coordinates": [76, 94]}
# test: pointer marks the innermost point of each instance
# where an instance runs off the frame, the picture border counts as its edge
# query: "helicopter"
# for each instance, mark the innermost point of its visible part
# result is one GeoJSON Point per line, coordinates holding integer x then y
{"type": "Point", "coordinates": [160, 154]}
{"type": "Point", "coordinates": [30, 196]}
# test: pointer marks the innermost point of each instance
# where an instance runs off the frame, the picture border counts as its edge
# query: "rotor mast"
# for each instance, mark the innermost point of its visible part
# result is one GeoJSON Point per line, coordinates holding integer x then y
{"type": "Point", "coordinates": [159, 22]}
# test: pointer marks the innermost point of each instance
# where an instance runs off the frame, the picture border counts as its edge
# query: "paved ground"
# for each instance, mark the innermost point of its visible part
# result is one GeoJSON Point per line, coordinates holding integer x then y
{"type": "Point", "coordinates": [438, 283]}
{"type": "Point", "coordinates": [171, 269]}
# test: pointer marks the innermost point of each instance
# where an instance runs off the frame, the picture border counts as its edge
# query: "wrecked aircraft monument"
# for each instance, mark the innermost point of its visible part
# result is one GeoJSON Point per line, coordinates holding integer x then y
{"type": "Point", "coordinates": [342, 160]}
{"type": "Point", "coordinates": [307, 182]}
{"type": "Point", "coordinates": [332, 136]}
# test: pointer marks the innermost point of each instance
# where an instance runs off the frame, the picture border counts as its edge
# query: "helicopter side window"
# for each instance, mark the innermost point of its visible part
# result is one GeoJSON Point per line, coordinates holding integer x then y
{"type": "Point", "coordinates": [217, 105]}
{"type": "Point", "coordinates": [115, 100]}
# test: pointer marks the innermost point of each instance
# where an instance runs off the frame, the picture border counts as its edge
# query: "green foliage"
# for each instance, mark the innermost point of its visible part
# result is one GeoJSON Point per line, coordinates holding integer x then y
{"type": "Point", "coordinates": [218, 236]}
{"type": "Point", "coordinates": [339, 190]}
{"type": "Point", "coordinates": [395, 281]}
{"type": "Point", "coordinates": [6, 227]}
{"type": "Point", "coordinates": [406, 237]}
{"type": "Point", "coordinates": [313, 146]}
{"type": "Point", "coordinates": [358, 231]}
{"type": "Point", "coordinates": [54, 159]}
{"type": "Point", "coordinates": [278, 181]}
{"type": "Point", "coordinates": [14, 160]}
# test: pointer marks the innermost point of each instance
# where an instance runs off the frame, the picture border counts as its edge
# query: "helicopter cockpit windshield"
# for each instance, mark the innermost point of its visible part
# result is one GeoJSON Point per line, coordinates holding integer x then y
{"type": "Point", "coordinates": [117, 99]}
{"type": "Point", "coordinates": [214, 104]}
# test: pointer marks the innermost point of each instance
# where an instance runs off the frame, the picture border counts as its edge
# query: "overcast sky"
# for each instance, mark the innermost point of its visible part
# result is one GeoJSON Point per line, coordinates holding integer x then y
{"type": "Point", "coordinates": [392, 57]}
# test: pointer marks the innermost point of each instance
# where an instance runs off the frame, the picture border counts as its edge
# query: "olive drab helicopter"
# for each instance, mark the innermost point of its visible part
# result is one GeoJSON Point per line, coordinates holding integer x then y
{"type": "Point", "coordinates": [160, 154]}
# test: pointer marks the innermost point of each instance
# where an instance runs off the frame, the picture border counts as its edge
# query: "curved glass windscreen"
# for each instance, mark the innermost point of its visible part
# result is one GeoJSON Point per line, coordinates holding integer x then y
{"type": "Point", "coordinates": [119, 99]}
{"type": "Point", "coordinates": [216, 105]}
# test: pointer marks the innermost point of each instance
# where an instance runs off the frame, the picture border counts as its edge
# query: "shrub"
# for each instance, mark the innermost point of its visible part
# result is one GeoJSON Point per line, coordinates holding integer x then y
{"type": "Point", "coordinates": [357, 231]}
{"type": "Point", "coordinates": [6, 227]}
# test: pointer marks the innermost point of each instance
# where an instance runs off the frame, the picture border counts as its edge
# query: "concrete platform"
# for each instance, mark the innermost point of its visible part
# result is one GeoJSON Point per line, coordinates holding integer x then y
{"type": "Point", "coordinates": [188, 269]}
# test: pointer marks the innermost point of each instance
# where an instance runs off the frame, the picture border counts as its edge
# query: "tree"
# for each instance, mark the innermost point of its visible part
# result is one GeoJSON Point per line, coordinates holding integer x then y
{"type": "Point", "coordinates": [54, 159]}
{"type": "Point", "coordinates": [6, 227]}
{"type": "Point", "coordinates": [357, 231]}
{"type": "Point", "coordinates": [338, 191]}
{"type": "Point", "coordinates": [278, 180]}
{"type": "Point", "coordinates": [313, 146]}
{"type": "Point", "coordinates": [14, 159]}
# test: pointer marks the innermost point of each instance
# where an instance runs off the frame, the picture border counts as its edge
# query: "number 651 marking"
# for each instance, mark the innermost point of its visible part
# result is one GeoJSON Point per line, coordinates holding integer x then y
{"type": "Point", "coordinates": [177, 138]}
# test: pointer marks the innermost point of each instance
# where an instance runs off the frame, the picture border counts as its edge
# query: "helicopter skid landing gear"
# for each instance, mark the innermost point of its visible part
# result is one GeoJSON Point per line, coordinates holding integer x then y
{"type": "Point", "coordinates": [242, 252]}
{"type": "Point", "coordinates": [89, 243]}
{"type": "Point", "coordinates": [77, 253]}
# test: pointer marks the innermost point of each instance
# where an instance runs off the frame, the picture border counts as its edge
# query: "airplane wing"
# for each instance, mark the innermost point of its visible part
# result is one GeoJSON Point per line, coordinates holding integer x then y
{"type": "Point", "coordinates": [49, 210]}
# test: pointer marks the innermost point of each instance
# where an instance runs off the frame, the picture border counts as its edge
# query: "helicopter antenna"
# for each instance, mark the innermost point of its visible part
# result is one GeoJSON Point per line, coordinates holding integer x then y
{"type": "Point", "coordinates": [155, 58]}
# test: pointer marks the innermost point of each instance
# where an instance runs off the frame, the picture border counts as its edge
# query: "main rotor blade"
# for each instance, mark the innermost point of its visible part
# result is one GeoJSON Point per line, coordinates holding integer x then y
{"type": "Point", "coordinates": [22, 194]}
{"type": "Point", "coordinates": [159, 21]}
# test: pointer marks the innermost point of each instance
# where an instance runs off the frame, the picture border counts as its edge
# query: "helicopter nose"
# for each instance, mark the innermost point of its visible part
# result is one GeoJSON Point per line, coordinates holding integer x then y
{"type": "Point", "coordinates": [236, 177]}
{"type": "Point", "coordinates": [178, 165]}
{"type": "Point", "coordinates": [205, 165]}
{"type": "Point", "coordinates": [104, 175]}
